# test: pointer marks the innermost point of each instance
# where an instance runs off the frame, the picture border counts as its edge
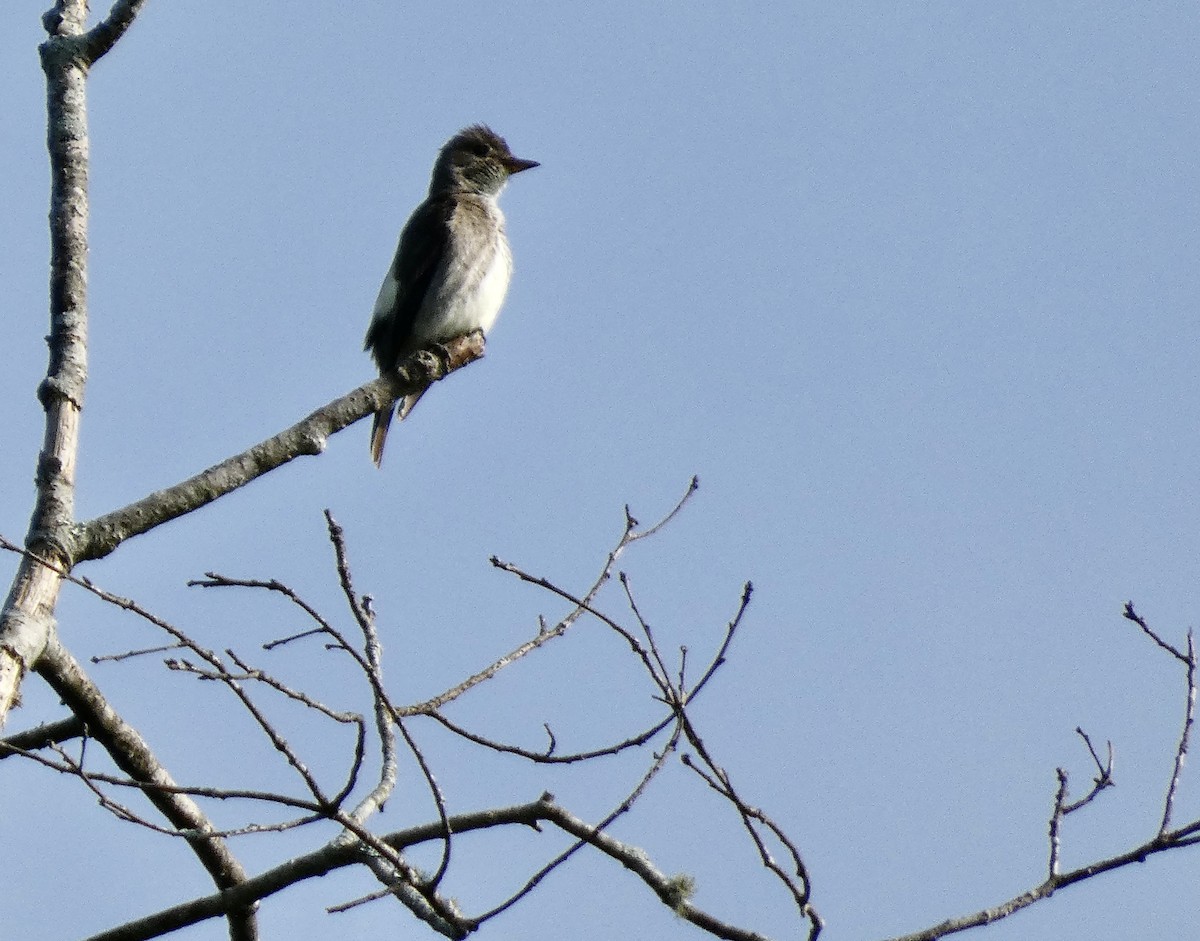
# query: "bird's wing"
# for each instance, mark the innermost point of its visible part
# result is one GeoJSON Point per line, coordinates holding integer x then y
{"type": "Point", "coordinates": [418, 258]}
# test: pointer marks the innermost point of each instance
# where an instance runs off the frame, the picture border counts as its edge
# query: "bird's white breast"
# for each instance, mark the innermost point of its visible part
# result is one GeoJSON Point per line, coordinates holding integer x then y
{"type": "Point", "coordinates": [484, 306]}
{"type": "Point", "coordinates": [472, 284]}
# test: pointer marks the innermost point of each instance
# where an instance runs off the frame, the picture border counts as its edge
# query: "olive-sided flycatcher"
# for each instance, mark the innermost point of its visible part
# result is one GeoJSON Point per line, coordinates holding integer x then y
{"type": "Point", "coordinates": [453, 264]}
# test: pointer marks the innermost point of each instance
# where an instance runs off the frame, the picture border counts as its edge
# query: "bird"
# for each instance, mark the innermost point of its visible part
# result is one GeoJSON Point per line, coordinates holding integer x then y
{"type": "Point", "coordinates": [453, 263]}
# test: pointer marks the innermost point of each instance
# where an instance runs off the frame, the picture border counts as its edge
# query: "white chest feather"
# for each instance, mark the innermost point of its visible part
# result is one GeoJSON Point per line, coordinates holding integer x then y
{"type": "Point", "coordinates": [484, 306]}
{"type": "Point", "coordinates": [471, 284]}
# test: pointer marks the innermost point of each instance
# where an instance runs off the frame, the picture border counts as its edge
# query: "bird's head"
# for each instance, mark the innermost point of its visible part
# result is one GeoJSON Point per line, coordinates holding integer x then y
{"type": "Point", "coordinates": [477, 160]}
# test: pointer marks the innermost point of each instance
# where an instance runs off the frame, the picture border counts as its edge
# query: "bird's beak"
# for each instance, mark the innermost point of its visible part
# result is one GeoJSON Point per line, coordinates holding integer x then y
{"type": "Point", "coordinates": [516, 164]}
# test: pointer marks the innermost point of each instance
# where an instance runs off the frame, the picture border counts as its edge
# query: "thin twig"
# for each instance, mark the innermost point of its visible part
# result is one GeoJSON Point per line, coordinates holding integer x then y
{"type": "Point", "coordinates": [718, 779]}
{"type": "Point", "coordinates": [547, 757]}
{"type": "Point", "coordinates": [1137, 619]}
{"type": "Point", "coordinates": [1181, 750]}
{"type": "Point", "coordinates": [1102, 780]}
{"type": "Point", "coordinates": [1056, 817]}
{"type": "Point", "coordinates": [544, 635]}
{"type": "Point", "coordinates": [1165, 839]}
{"type": "Point", "coordinates": [693, 486]}
{"type": "Point", "coordinates": [582, 603]}
{"type": "Point", "coordinates": [660, 675]}
{"type": "Point", "coordinates": [132, 654]}
{"type": "Point", "coordinates": [592, 836]}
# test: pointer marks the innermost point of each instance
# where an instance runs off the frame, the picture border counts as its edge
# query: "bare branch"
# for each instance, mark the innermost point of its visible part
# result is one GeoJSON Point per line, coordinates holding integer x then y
{"type": "Point", "coordinates": [253, 673]}
{"type": "Point", "coordinates": [547, 757]}
{"type": "Point", "coordinates": [97, 538]}
{"type": "Point", "coordinates": [658, 668]}
{"type": "Point", "coordinates": [1139, 854]}
{"type": "Point", "coordinates": [730, 629]}
{"type": "Point", "coordinates": [674, 891]}
{"type": "Point", "coordinates": [132, 755]}
{"type": "Point", "coordinates": [624, 807]}
{"type": "Point", "coordinates": [386, 714]}
{"type": "Point", "coordinates": [372, 665]}
{"type": "Point", "coordinates": [327, 859]}
{"type": "Point", "coordinates": [369, 662]}
{"type": "Point", "coordinates": [1056, 817]}
{"type": "Point", "coordinates": [1102, 780]}
{"type": "Point", "coordinates": [51, 733]}
{"type": "Point", "coordinates": [419, 895]}
{"type": "Point", "coordinates": [92, 781]}
{"type": "Point", "coordinates": [1130, 614]}
{"type": "Point", "coordinates": [693, 486]}
{"type": "Point", "coordinates": [652, 662]}
{"type": "Point", "coordinates": [1165, 839]}
{"type": "Point", "coordinates": [1103, 768]}
{"type": "Point", "coordinates": [69, 766]}
{"type": "Point", "coordinates": [27, 619]}
{"type": "Point", "coordinates": [132, 654]}
{"type": "Point", "coordinates": [544, 635]}
{"type": "Point", "coordinates": [1189, 718]}
{"type": "Point", "coordinates": [585, 605]}
{"type": "Point", "coordinates": [105, 34]}
{"type": "Point", "coordinates": [718, 779]}
{"type": "Point", "coordinates": [217, 580]}
{"type": "Point", "coordinates": [273, 735]}
{"type": "Point", "coordinates": [402, 881]}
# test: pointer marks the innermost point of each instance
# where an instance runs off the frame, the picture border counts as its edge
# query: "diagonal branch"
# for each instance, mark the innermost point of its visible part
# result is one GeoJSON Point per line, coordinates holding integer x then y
{"type": "Point", "coordinates": [108, 32]}
{"type": "Point", "coordinates": [660, 761]}
{"type": "Point", "coordinates": [1164, 839]}
{"type": "Point", "coordinates": [97, 538]}
{"type": "Point", "coordinates": [674, 891]}
{"type": "Point", "coordinates": [131, 753]}
{"type": "Point", "coordinates": [1139, 854]}
{"type": "Point", "coordinates": [629, 536]}
{"type": "Point", "coordinates": [332, 856]}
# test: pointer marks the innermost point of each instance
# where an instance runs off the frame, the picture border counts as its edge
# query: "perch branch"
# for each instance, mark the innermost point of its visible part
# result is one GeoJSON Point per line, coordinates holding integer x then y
{"type": "Point", "coordinates": [96, 538]}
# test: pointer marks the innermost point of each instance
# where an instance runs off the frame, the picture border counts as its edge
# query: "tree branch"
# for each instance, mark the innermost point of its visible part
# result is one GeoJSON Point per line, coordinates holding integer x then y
{"type": "Point", "coordinates": [1139, 854]}
{"type": "Point", "coordinates": [97, 538]}
{"type": "Point", "coordinates": [332, 856]}
{"type": "Point", "coordinates": [28, 616]}
{"type": "Point", "coordinates": [1165, 839]}
{"type": "Point", "coordinates": [132, 755]}
{"type": "Point", "coordinates": [673, 891]}
{"type": "Point", "coordinates": [50, 733]}
{"type": "Point", "coordinates": [105, 34]}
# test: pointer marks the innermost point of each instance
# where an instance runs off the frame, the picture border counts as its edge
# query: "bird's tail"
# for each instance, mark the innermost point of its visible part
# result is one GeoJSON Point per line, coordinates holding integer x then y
{"type": "Point", "coordinates": [379, 430]}
{"type": "Point", "coordinates": [383, 420]}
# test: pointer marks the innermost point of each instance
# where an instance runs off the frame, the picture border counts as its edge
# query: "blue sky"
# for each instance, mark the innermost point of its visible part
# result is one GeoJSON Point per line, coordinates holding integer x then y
{"type": "Point", "coordinates": [911, 287]}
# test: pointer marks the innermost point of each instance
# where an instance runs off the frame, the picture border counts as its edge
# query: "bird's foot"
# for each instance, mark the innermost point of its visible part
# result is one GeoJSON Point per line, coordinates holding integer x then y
{"type": "Point", "coordinates": [444, 355]}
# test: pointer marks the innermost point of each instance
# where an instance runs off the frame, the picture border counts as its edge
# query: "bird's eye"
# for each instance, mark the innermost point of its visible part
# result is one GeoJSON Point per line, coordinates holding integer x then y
{"type": "Point", "coordinates": [478, 148]}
